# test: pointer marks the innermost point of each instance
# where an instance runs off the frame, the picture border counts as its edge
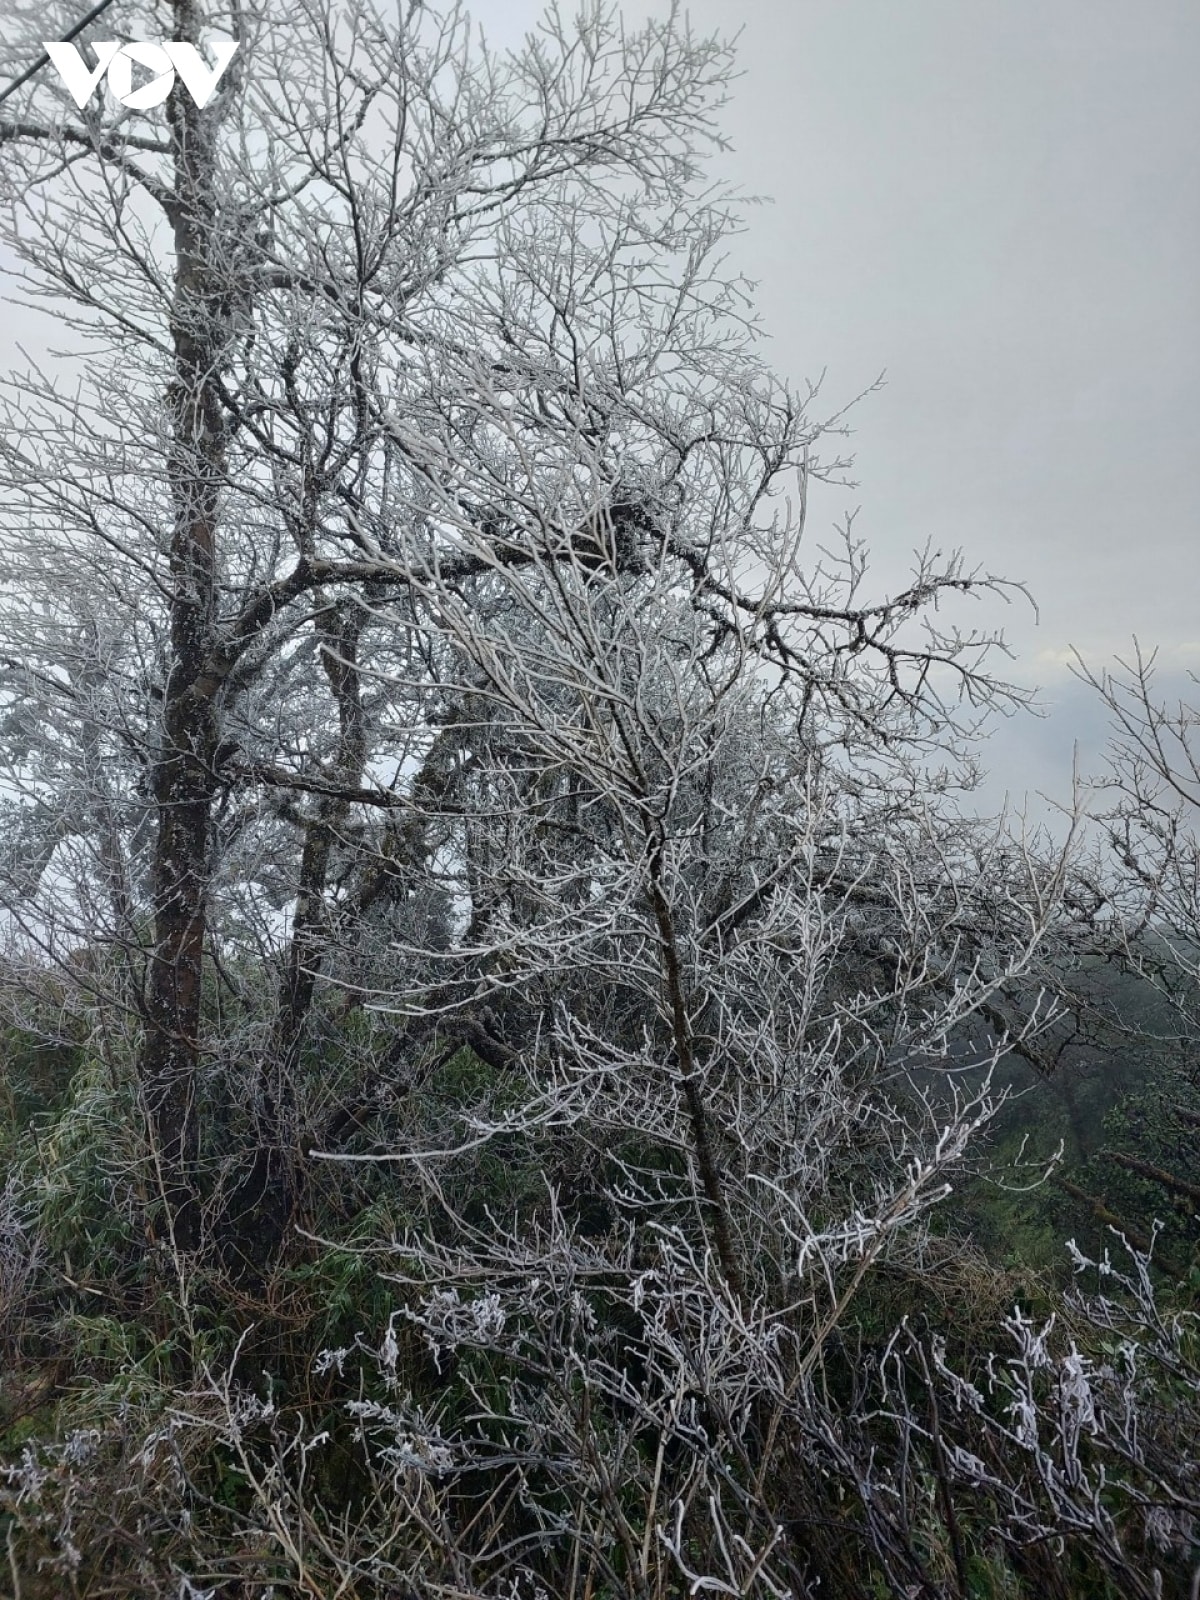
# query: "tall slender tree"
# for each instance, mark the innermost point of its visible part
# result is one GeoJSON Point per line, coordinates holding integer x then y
{"type": "Point", "coordinates": [392, 331]}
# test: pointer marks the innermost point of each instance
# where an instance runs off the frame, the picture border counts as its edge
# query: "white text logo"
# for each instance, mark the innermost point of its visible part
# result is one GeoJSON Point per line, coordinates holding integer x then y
{"type": "Point", "coordinates": [163, 60]}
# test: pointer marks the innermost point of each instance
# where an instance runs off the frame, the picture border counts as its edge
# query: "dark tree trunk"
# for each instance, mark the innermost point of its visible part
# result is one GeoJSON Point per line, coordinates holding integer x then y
{"type": "Point", "coordinates": [339, 627]}
{"type": "Point", "coordinates": [184, 779]}
{"type": "Point", "coordinates": [272, 1190]}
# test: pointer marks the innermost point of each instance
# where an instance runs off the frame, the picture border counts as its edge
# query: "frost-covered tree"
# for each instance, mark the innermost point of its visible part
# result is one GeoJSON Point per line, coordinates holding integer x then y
{"type": "Point", "coordinates": [442, 753]}
{"type": "Point", "coordinates": [391, 318]}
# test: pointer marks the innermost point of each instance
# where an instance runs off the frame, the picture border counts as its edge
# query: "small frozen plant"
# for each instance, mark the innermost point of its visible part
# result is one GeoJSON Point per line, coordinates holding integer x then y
{"type": "Point", "coordinates": [449, 1321]}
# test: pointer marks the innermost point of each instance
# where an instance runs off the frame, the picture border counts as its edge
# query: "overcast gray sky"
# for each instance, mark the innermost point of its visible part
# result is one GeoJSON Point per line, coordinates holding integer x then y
{"type": "Point", "coordinates": [998, 202]}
